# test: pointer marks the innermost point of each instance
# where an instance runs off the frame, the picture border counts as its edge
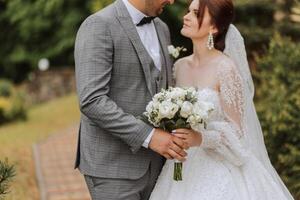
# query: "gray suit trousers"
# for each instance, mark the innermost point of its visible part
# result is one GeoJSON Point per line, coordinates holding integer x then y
{"type": "Point", "coordinates": [123, 189]}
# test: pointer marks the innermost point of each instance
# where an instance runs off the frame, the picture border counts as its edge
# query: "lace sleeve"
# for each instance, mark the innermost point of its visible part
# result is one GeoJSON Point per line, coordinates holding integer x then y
{"type": "Point", "coordinates": [224, 136]}
{"type": "Point", "coordinates": [231, 96]}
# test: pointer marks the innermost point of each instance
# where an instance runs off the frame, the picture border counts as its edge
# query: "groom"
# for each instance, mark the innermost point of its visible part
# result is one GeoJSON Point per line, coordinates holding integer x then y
{"type": "Point", "coordinates": [121, 61]}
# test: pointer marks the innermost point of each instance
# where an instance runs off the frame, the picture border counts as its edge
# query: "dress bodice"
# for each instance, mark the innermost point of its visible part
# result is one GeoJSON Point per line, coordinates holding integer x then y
{"type": "Point", "coordinates": [212, 96]}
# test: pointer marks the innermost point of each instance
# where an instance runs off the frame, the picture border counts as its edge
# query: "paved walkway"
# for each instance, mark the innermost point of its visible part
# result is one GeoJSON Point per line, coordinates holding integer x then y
{"type": "Point", "coordinates": [56, 176]}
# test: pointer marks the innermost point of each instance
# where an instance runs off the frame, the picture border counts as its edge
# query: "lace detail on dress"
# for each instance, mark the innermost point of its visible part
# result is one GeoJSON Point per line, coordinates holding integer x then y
{"type": "Point", "coordinates": [212, 139]}
{"type": "Point", "coordinates": [231, 87]}
{"type": "Point", "coordinates": [223, 136]}
{"type": "Point", "coordinates": [221, 139]}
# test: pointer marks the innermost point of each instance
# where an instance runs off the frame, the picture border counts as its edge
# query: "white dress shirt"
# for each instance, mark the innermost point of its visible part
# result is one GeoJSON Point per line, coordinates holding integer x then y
{"type": "Point", "coordinates": [147, 34]}
{"type": "Point", "coordinates": [149, 38]}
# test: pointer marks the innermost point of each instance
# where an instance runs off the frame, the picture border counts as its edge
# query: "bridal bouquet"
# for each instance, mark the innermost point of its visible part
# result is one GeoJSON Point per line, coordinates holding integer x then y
{"type": "Point", "coordinates": [178, 108]}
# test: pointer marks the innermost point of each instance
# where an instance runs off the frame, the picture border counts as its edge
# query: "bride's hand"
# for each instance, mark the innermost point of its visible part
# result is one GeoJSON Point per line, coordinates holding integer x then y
{"type": "Point", "coordinates": [191, 137]}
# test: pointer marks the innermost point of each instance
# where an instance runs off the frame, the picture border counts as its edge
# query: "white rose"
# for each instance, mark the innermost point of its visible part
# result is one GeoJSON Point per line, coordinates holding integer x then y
{"type": "Point", "coordinates": [179, 102]}
{"type": "Point", "coordinates": [191, 119]}
{"type": "Point", "coordinates": [204, 108]}
{"type": "Point", "coordinates": [194, 120]}
{"type": "Point", "coordinates": [156, 105]}
{"type": "Point", "coordinates": [186, 109]}
{"type": "Point", "coordinates": [171, 49]}
{"type": "Point", "coordinates": [191, 90]}
{"type": "Point", "coordinates": [158, 97]}
{"type": "Point", "coordinates": [175, 54]}
{"type": "Point", "coordinates": [167, 109]}
{"type": "Point", "coordinates": [153, 117]}
{"type": "Point", "coordinates": [176, 93]}
{"type": "Point", "coordinates": [199, 111]}
{"type": "Point", "coordinates": [180, 92]}
{"type": "Point", "coordinates": [150, 107]}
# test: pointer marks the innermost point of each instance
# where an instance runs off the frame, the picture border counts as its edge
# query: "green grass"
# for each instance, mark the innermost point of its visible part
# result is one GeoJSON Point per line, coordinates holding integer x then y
{"type": "Point", "coordinates": [16, 141]}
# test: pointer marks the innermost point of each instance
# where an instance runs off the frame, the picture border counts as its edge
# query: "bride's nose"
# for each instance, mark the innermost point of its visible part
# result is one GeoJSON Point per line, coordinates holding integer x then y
{"type": "Point", "coordinates": [186, 17]}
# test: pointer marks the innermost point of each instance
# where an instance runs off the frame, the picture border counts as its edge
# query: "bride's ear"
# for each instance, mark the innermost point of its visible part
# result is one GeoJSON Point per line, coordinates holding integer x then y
{"type": "Point", "coordinates": [213, 29]}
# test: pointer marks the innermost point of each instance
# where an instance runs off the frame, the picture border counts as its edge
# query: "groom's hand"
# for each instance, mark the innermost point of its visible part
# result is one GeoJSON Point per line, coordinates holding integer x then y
{"type": "Point", "coordinates": [168, 145]}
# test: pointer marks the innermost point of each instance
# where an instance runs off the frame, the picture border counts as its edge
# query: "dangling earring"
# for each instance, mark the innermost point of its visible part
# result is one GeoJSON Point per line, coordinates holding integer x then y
{"type": "Point", "coordinates": [210, 42]}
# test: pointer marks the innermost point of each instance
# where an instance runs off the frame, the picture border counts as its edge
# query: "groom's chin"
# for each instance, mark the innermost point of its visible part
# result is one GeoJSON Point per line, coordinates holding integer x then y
{"type": "Point", "coordinates": [160, 11]}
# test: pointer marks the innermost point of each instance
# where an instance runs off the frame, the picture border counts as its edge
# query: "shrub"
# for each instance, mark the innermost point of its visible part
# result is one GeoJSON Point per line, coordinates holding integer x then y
{"type": "Point", "coordinates": [7, 172]}
{"type": "Point", "coordinates": [5, 88]}
{"type": "Point", "coordinates": [12, 103]}
{"type": "Point", "coordinates": [278, 97]}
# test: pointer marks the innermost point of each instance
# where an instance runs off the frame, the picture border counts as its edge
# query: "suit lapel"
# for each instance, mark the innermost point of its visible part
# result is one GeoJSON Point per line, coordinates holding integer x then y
{"type": "Point", "coordinates": [130, 29]}
{"type": "Point", "coordinates": [164, 46]}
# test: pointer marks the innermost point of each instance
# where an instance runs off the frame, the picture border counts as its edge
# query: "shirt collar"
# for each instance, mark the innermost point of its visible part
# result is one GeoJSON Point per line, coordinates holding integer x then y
{"type": "Point", "coordinates": [135, 14]}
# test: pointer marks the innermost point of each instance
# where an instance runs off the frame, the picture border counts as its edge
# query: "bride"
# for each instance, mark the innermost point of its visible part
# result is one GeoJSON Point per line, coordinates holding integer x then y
{"type": "Point", "coordinates": [227, 160]}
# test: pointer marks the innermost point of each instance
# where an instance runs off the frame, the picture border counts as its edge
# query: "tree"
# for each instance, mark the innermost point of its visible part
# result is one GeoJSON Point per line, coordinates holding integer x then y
{"type": "Point", "coordinates": [278, 105]}
{"type": "Point", "coordinates": [96, 5]}
{"type": "Point", "coordinates": [32, 30]}
{"type": "Point", "coordinates": [7, 172]}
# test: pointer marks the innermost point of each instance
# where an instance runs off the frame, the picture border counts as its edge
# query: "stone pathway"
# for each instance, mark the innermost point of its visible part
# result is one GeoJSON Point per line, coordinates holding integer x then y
{"type": "Point", "coordinates": [54, 159]}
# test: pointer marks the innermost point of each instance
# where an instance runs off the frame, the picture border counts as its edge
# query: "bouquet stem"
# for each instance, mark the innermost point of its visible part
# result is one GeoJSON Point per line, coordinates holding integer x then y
{"type": "Point", "coordinates": [177, 171]}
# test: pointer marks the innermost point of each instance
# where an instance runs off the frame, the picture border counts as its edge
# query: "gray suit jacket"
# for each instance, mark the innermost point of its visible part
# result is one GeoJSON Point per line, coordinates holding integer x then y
{"type": "Point", "coordinates": [115, 80]}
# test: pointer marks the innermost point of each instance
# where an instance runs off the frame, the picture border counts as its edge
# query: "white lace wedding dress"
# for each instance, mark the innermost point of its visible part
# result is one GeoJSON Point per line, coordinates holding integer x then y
{"type": "Point", "coordinates": [223, 167]}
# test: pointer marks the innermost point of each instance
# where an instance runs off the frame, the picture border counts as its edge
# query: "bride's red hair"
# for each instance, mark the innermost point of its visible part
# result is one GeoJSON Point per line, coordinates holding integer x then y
{"type": "Point", "coordinates": [222, 15]}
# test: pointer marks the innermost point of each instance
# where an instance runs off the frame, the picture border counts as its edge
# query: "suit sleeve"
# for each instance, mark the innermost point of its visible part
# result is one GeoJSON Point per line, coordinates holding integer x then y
{"type": "Point", "coordinates": [93, 62]}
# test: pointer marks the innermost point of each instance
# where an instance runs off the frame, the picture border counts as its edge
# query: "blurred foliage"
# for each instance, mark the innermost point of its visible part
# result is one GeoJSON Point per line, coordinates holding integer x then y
{"type": "Point", "coordinates": [12, 103]}
{"type": "Point", "coordinates": [278, 105]}
{"type": "Point", "coordinates": [31, 30]}
{"type": "Point", "coordinates": [7, 172]}
{"type": "Point", "coordinates": [96, 5]}
{"type": "Point", "coordinates": [6, 88]}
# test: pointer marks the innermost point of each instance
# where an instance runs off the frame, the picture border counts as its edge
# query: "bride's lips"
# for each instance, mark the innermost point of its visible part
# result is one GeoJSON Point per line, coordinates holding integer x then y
{"type": "Point", "coordinates": [185, 26]}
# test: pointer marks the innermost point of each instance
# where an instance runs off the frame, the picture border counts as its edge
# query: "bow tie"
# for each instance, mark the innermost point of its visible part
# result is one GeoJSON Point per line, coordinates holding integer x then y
{"type": "Point", "coordinates": [145, 20]}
